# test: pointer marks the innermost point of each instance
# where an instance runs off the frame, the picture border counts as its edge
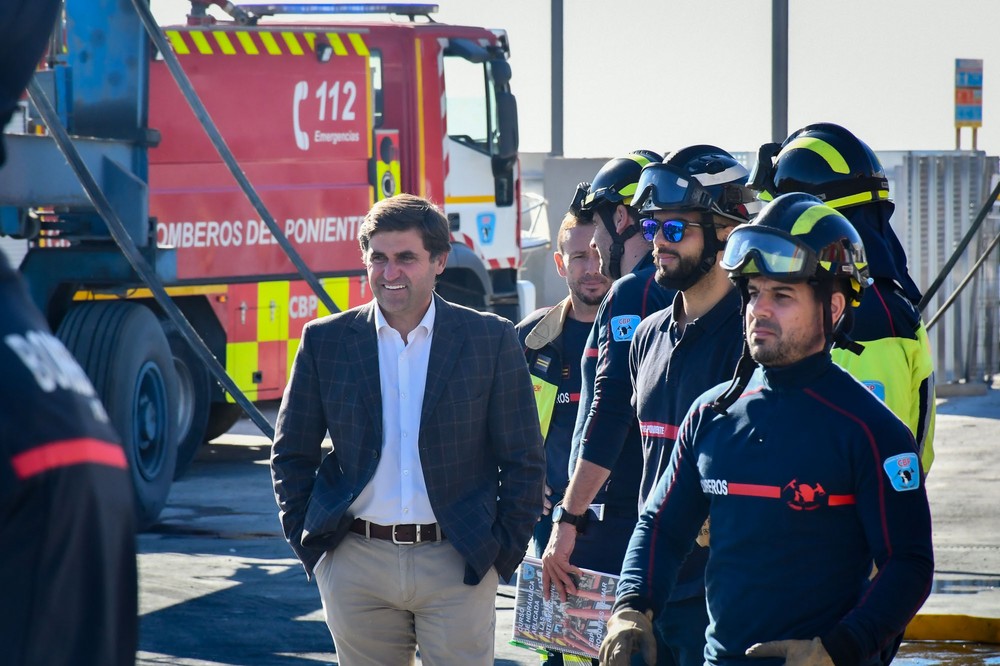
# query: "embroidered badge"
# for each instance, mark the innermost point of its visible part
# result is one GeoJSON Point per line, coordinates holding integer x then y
{"type": "Point", "coordinates": [623, 327]}
{"type": "Point", "coordinates": [902, 471]}
{"type": "Point", "coordinates": [878, 388]}
{"type": "Point", "coordinates": [542, 362]}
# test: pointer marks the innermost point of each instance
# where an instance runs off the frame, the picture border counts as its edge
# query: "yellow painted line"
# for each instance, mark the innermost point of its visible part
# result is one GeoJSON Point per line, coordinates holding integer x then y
{"type": "Point", "coordinates": [269, 44]}
{"type": "Point", "coordinates": [422, 173]}
{"type": "Point", "coordinates": [475, 199]}
{"type": "Point", "coordinates": [247, 42]}
{"type": "Point", "coordinates": [199, 290]}
{"type": "Point", "coordinates": [180, 46]}
{"type": "Point", "coordinates": [310, 40]}
{"type": "Point", "coordinates": [337, 43]}
{"type": "Point", "coordinates": [224, 44]}
{"type": "Point", "coordinates": [293, 43]}
{"type": "Point", "coordinates": [201, 43]}
{"type": "Point", "coordinates": [926, 627]}
{"type": "Point", "coordinates": [358, 43]}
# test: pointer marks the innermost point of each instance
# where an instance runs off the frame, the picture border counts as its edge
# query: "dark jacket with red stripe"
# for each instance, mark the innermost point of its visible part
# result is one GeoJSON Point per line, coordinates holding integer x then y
{"type": "Point", "coordinates": [807, 479]}
{"type": "Point", "coordinates": [67, 541]}
{"type": "Point", "coordinates": [607, 431]}
{"type": "Point", "coordinates": [668, 375]}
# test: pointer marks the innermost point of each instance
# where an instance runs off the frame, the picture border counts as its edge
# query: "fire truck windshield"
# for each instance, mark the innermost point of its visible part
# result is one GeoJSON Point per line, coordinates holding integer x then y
{"type": "Point", "coordinates": [470, 103]}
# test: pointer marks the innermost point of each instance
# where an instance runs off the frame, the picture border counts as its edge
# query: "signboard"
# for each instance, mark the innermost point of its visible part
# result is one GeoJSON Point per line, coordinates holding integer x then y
{"type": "Point", "coordinates": [968, 93]}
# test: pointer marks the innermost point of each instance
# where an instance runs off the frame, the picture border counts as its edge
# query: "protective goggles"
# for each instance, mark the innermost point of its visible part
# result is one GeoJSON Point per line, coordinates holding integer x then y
{"type": "Point", "coordinates": [660, 187]}
{"type": "Point", "coordinates": [673, 230]}
{"type": "Point", "coordinates": [755, 250]}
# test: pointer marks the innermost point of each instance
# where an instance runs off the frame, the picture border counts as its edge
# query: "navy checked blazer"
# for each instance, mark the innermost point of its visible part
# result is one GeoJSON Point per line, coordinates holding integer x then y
{"type": "Point", "coordinates": [480, 444]}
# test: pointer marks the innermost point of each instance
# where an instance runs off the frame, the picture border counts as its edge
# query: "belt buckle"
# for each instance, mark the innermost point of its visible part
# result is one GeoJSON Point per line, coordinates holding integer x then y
{"type": "Point", "coordinates": [416, 530]}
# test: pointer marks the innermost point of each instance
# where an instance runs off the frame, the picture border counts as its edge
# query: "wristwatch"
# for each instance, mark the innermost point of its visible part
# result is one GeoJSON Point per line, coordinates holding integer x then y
{"type": "Point", "coordinates": [561, 515]}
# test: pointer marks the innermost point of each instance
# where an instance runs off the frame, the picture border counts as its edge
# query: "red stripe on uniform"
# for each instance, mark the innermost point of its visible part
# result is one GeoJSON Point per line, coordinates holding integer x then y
{"type": "Point", "coordinates": [754, 490]}
{"type": "Point", "coordinates": [590, 352]}
{"type": "Point", "coordinates": [841, 500]}
{"type": "Point", "coordinates": [574, 397]}
{"type": "Point", "coordinates": [654, 429]}
{"type": "Point", "coordinates": [66, 453]}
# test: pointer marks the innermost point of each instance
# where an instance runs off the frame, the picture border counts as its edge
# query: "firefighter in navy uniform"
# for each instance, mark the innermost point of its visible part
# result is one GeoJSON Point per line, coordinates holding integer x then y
{"type": "Point", "coordinates": [68, 563]}
{"type": "Point", "coordinates": [689, 204]}
{"type": "Point", "coordinates": [803, 472]}
{"type": "Point", "coordinates": [606, 457]}
{"type": "Point", "coordinates": [553, 339]}
{"type": "Point", "coordinates": [67, 536]}
{"type": "Point", "coordinates": [829, 162]}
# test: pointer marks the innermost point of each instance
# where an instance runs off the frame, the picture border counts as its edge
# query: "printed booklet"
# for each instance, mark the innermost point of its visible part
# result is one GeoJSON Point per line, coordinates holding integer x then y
{"type": "Point", "coordinates": [576, 627]}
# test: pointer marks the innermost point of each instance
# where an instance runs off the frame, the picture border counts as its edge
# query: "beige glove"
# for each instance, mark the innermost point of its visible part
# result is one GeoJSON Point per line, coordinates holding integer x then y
{"type": "Point", "coordinates": [796, 653]}
{"type": "Point", "coordinates": [629, 631]}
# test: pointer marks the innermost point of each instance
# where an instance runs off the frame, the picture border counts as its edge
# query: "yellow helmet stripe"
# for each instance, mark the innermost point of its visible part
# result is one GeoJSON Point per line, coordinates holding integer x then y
{"type": "Point", "coordinates": [854, 199]}
{"type": "Point", "coordinates": [808, 219]}
{"type": "Point", "coordinates": [829, 154]}
{"type": "Point", "coordinates": [638, 159]}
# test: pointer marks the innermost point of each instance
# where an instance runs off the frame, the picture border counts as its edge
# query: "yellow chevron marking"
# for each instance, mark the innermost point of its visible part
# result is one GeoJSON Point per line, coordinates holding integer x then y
{"type": "Point", "coordinates": [201, 43]}
{"type": "Point", "coordinates": [247, 42]}
{"type": "Point", "coordinates": [180, 46]}
{"type": "Point", "coordinates": [223, 40]}
{"type": "Point", "coordinates": [269, 44]}
{"type": "Point", "coordinates": [337, 43]}
{"type": "Point", "coordinates": [293, 43]}
{"type": "Point", "coordinates": [358, 44]}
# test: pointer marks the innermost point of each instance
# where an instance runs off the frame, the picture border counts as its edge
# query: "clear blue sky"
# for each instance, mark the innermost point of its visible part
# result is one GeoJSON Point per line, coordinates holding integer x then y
{"type": "Point", "coordinates": [663, 74]}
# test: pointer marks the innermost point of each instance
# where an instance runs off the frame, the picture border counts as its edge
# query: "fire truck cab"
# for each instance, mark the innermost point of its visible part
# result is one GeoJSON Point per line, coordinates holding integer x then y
{"type": "Point", "coordinates": [325, 117]}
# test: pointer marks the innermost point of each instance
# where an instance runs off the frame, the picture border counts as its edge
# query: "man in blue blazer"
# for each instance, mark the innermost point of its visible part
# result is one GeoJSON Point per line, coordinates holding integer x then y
{"type": "Point", "coordinates": [436, 475]}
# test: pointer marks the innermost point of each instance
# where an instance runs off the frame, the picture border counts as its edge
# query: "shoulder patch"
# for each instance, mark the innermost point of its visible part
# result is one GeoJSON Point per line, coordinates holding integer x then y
{"type": "Point", "coordinates": [902, 471]}
{"type": "Point", "coordinates": [623, 327]}
{"type": "Point", "coordinates": [878, 388]}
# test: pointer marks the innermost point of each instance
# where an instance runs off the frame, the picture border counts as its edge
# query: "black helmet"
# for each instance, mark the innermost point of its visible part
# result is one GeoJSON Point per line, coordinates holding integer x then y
{"type": "Point", "coordinates": [615, 182]}
{"type": "Point", "coordinates": [701, 177]}
{"type": "Point", "coordinates": [824, 160]}
{"type": "Point", "coordinates": [614, 185]}
{"type": "Point", "coordinates": [798, 238]}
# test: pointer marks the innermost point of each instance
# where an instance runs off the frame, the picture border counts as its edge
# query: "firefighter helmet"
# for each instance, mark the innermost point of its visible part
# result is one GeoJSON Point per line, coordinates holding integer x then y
{"type": "Point", "coordinates": [798, 238]}
{"type": "Point", "coordinates": [824, 160]}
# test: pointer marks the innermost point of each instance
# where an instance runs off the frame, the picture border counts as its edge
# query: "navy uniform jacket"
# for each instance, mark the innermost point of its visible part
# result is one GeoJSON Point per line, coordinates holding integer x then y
{"type": "Point", "coordinates": [668, 375]}
{"type": "Point", "coordinates": [807, 479]}
{"type": "Point", "coordinates": [67, 522]}
{"type": "Point", "coordinates": [480, 445]}
{"type": "Point", "coordinates": [607, 432]}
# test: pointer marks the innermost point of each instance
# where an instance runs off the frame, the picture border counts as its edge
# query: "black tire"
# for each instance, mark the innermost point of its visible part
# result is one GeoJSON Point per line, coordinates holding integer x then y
{"type": "Point", "coordinates": [221, 418]}
{"type": "Point", "coordinates": [193, 398]}
{"type": "Point", "coordinates": [124, 351]}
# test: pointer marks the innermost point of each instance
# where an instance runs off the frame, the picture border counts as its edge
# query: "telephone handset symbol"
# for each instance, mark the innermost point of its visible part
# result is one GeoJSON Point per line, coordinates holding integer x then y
{"type": "Point", "coordinates": [301, 92]}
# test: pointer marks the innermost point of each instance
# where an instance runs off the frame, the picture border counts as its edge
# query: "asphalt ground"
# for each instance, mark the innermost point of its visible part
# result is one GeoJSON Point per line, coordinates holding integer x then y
{"type": "Point", "coordinates": [219, 586]}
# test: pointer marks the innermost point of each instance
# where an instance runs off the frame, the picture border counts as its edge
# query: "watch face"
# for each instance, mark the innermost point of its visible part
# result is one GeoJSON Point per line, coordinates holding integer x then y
{"type": "Point", "coordinates": [557, 513]}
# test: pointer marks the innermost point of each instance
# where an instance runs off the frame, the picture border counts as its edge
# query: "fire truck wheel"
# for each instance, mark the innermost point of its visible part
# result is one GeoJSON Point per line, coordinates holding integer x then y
{"type": "Point", "coordinates": [221, 418]}
{"type": "Point", "coordinates": [193, 398]}
{"type": "Point", "coordinates": [123, 350]}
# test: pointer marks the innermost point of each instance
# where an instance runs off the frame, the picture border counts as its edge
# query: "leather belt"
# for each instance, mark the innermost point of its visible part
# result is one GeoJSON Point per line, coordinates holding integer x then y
{"type": "Point", "coordinates": [398, 534]}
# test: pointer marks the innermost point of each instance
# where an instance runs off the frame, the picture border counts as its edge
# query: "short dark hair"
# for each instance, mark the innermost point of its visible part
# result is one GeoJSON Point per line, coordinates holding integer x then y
{"type": "Point", "coordinates": [571, 220]}
{"type": "Point", "coordinates": [402, 213]}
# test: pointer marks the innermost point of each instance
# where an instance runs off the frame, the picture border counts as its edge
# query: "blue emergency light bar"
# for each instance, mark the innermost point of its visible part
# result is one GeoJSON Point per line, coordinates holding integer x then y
{"type": "Point", "coordinates": [405, 9]}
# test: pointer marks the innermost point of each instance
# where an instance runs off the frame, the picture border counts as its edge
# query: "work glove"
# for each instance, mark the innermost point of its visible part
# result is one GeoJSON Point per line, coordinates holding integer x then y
{"type": "Point", "coordinates": [629, 631]}
{"type": "Point", "coordinates": [795, 652]}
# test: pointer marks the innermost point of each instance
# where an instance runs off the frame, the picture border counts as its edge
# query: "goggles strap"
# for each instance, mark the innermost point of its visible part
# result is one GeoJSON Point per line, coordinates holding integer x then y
{"type": "Point", "coordinates": [745, 366]}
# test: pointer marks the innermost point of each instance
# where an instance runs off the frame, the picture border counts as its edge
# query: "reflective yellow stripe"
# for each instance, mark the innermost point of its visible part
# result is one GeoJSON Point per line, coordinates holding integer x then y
{"type": "Point", "coordinates": [854, 199]}
{"type": "Point", "coordinates": [421, 147]}
{"type": "Point", "coordinates": [339, 290]}
{"type": "Point", "coordinates": [358, 44]}
{"type": "Point", "coordinates": [177, 41]}
{"type": "Point", "coordinates": [809, 218]}
{"type": "Point", "coordinates": [200, 290]}
{"type": "Point", "coordinates": [269, 44]}
{"type": "Point", "coordinates": [293, 43]}
{"type": "Point", "coordinates": [488, 198]}
{"type": "Point", "coordinates": [310, 40]}
{"type": "Point", "coordinates": [638, 159]}
{"type": "Point", "coordinates": [764, 195]}
{"type": "Point", "coordinates": [337, 43]}
{"type": "Point", "coordinates": [247, 42]}
{"type": "Point", "coordinates": [829, 154]}
{"type": "Point", "coordinates": [201, 43]}
{"type": "Point", "coordinates": [224, 44]}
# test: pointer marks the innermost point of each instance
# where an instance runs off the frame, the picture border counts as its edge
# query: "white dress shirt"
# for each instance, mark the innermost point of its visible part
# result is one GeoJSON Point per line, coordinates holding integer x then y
{"type": "Point", "coordinates": [398, 493]}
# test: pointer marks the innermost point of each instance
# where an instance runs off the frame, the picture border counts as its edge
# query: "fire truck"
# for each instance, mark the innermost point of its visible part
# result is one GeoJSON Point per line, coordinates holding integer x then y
{"type": "Point", "coordinates": [322, 116]}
